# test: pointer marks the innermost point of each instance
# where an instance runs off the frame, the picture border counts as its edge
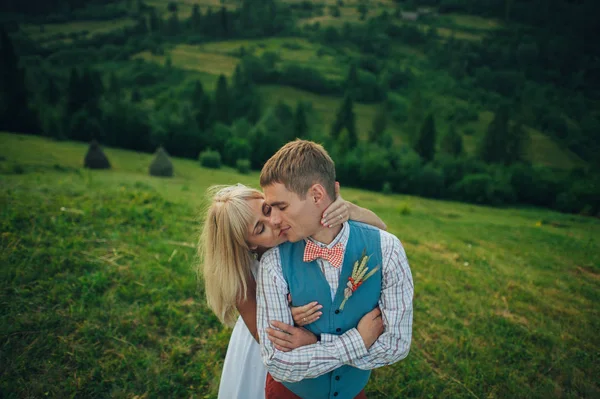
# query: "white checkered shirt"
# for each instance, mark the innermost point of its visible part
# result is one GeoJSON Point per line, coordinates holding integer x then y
{"type": "Point", "coordinates": [334, 351]}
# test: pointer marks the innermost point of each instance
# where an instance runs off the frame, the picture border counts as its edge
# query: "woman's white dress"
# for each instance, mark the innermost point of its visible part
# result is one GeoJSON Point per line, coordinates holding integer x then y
{"type": "Point", "coordinates": [244, 374]}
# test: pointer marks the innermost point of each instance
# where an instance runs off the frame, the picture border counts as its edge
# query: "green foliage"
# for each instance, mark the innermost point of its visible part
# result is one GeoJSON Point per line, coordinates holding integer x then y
{"type": "Point", "coordinates": [387, 188]}
{"type": "Point", "coordinates": [451, 142]}
{"type": "Point", "coordinates": [430, 182]}
{"type": "Point", "coordinates": [236, 148]}
{"type": "Point", "coordinates": [345, 119]}
{"type": "Point", "coordinates": [502, 142]}
{"type": "Point", "coordinates": [221, 102]}
{"type": "Point", "coordinates": [374, 167]}
{"type": "Point", "coordinates": [15, 113]}
{"type": "Point", "coordinates": [307, 78]}
{"type": "Point", "coordinates": [362, 10]}
{"type": "Point", "coordinates": [425, 142]}
{"type": "Point", "coordinates": [492, 147]}
{"type": "Point", "coordinates": [210, 159]}
{"type": "Point", "coordinates": [243, 166]}
{"type": "Point", "coordinates": [334, 11]}
{"type": "Point", "coordinates": [300, 122]}
{"type": "Point", "coordinates": [474, 188]}
{"type": "Point", "coordinates": [416, 114]}
{"type": "Point", "coordinates": [84, 127]}
{"type": "Point", "coordinates": [379, 125]}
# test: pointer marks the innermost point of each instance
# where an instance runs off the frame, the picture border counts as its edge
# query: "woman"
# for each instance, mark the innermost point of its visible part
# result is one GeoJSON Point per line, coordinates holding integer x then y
{"type": "Point", "coordinates": [236, 232]}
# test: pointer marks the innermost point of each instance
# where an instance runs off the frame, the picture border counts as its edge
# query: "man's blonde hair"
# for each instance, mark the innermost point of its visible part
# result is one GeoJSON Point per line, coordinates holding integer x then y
{"type": "Point", "coordinates": [298, 165]}
{"type": "Point", "coordinates": [225, 258]}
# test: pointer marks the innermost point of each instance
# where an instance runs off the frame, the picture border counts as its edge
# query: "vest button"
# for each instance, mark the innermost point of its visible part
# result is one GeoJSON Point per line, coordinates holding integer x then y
{"type": "Point", "coordinates": [338, 329]}
{"type": "Point", "coordinates": [337, 311]}
{"type": "Point", "coordinates": [337, 377]}
{"type": "Point", "coordinates": [335, 394]}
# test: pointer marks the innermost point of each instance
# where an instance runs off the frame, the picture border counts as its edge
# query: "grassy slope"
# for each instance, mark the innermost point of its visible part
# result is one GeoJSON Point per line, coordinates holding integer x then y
{"type": "Point", "coordinates": [99, 298]}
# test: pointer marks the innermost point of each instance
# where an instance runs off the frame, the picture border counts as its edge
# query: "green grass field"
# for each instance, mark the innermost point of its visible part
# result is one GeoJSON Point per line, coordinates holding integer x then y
{"type": "Point", "coordinates": [99, 297]}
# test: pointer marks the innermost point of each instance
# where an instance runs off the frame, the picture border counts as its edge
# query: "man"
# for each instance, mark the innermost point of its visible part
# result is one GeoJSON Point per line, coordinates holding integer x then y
{"type": "Point", "coordinates": [299, 184]}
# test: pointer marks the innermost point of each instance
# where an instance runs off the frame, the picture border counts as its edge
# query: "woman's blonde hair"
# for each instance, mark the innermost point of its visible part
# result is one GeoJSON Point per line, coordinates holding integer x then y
{"type": "Point", "coordinates": [225, 258]}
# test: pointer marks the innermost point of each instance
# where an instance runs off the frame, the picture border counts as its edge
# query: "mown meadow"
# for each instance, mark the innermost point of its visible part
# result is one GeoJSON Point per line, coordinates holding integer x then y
{"type": "Point", "coordinates": [99, 296]}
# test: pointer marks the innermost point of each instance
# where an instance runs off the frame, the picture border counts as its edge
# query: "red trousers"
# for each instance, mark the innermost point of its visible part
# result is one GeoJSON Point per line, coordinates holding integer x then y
{"type": "Point", "coordinates": [276, 390]}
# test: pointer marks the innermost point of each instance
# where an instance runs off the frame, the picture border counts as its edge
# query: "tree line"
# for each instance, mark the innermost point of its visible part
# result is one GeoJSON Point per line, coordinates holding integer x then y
{"type": "Point", "coordinates": [146, 105]}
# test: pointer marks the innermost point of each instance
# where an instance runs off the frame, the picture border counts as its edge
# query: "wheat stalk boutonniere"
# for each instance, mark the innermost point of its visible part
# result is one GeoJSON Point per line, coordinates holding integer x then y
{"type": "Point", "coordinates": [359, 276]}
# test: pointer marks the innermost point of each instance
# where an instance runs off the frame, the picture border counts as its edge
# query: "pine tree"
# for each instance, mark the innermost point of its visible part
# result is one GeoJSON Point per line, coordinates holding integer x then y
{"type": "Point", "coordinates": [345, 119]}
{"type": "Point", "coordinates": [300, 124]}
{"type": "Point", "coordinates": [492, 148]}
{"type": "Point", "coordinates": [352, 78]}
{"type": "Point", "coordinates": [155, 22]}
{"type": "Point", "coordinates": [15, 114]}
{"type": "Point", "coordinates": [515, 143]}
{"type": "Point", "coordinates": [221, 107]}
{"type": "Point", "coordinates": [224, 16]}
{"type": "Point", "coordinates": [362, 10]}
{"type": "Point", "coordinates": [136, 96]}
{"type": "Point", "coordinates": [141, 27]}
{"type": "Point", "coordinates": [379, 125]}
{"type": "Point", "coordinates": [114, 87]}
{"type": "Point", "coordinates": [244, 96]}
{"type": "Point", "coordinates": [75, 97]}
{"type": "Point", "coordinates": [416, 113]}
{"type": "Point", "coordinates": [451, 142]}
{"type": "Point", "coordinates": [425, 143]}
{"type": "Point", "coordinates": [197, 95]}
{"type": "Point", "coordinates": [173, 25]}
{"type": "Point", "coordinates": [52, 92]}
{"type": "Point", "coordinates": [196, 19]}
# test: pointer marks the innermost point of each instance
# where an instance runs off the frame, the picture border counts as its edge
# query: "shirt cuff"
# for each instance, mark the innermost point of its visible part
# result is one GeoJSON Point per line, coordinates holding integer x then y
{"type": "Point", "coordinates": [350, 345]}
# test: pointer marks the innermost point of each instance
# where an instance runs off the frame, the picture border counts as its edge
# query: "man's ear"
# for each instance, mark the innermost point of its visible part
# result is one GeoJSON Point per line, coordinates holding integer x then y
{"type": "Point", "coordinates": [317, 193]}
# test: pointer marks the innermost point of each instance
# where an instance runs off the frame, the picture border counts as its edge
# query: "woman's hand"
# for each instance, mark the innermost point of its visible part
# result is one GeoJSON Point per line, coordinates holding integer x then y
{"type": "Point", "coordinates": [370, 327]}
{"type": "Point", "coordinates": [338, 212]}
{"type": "Point", "coordinates": [306, 314]}
{"type": "Point", "coordinates": [289, 337]}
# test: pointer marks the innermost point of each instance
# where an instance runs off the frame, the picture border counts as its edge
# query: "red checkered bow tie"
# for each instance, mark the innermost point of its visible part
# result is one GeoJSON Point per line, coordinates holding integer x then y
{"type": "Point", "coordinates": [333, 255]}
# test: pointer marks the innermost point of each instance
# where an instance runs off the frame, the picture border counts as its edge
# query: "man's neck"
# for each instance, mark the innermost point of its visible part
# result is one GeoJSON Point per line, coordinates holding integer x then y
{"type": "Point", "coordinates": [326, 234]}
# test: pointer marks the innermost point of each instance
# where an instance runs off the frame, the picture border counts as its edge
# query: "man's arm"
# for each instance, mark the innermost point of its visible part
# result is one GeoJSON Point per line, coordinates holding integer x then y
{"type": "Point", "coordinates": [395, 302]}
{"type": "Point", "coordinates": [308, 361]}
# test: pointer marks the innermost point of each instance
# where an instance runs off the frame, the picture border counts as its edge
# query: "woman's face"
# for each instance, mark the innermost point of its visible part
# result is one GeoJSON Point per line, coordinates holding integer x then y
{"type": "Point", "coordinates": [261, 233]}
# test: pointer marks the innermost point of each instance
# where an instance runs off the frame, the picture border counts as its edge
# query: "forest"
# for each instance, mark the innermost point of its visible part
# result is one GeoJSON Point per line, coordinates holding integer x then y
{"type": "Point", "coordinates": [491, 102]}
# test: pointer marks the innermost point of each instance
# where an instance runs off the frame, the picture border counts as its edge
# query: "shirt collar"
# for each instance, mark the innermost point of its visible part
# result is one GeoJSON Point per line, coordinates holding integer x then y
{"type": "Point", "coordinates": [342, 237]}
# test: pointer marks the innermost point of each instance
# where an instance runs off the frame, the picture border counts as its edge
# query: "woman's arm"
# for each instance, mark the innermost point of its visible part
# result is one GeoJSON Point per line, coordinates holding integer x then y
{"type": "Point", "coordinates": [247, 309]}
{"type": "Point", "coordinates": [300, 336]}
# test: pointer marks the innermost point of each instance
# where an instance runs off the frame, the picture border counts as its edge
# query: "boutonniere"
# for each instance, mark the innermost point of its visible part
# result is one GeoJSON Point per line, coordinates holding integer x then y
{"type": "Point", "coordinates": [359, 276]}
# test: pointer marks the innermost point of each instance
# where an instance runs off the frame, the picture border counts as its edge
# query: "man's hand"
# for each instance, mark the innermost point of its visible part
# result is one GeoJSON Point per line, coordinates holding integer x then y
{"type": "Point", "coordinates": [370, 327]}
{"type": "Point", "coordinates": [289, 337]}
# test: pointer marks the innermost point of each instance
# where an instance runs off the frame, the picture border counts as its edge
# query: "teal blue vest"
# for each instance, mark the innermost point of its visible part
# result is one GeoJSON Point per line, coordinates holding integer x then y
{"type": "Point", "coordinates": [307, 283]}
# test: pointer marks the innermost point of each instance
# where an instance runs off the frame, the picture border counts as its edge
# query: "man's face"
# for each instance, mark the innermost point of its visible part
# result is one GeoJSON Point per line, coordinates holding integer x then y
{"type": "Point", "coordinates": [298, 218]}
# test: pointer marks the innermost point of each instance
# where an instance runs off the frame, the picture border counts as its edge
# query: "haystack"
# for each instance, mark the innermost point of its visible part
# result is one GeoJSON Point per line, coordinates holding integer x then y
{"type": "Point", "coordinates": [95, 158]}
{"type": "Point", "coordinates": [161, 165]}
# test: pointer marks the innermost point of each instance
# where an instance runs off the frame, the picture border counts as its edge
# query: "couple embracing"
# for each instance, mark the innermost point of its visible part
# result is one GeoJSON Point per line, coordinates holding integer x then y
{"type": "Point", "coordinates": [331, 298]}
